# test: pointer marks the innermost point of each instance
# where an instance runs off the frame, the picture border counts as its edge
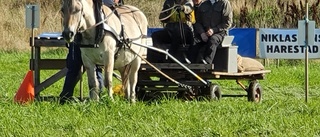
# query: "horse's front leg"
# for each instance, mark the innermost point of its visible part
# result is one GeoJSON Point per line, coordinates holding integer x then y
{"type": "Point", "coordinates": [93, 83]}
{"type": "Point", "coordinates": [109, 66]}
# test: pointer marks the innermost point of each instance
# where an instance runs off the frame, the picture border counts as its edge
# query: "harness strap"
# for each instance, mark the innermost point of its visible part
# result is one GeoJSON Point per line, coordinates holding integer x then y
{"type": "Point", "coordinates": [98, 16]}
{"type": "Point", "coordinates": [112, 31]}
{"type": "Point", "coordinates": [108, 29]}
{"type": "Point", "coordinates": [89, 46]}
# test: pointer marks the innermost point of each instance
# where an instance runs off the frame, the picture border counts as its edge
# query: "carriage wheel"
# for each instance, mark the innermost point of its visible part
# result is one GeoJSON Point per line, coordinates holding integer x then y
{"type": "Point", "coordinates": [254, 92]}
{"type": "Point", "coordinates": [214, 92]}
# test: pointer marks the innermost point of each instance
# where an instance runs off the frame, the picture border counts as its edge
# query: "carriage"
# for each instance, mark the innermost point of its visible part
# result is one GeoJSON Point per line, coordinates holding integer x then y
{"type": "Point", "coordinates": [192, 80]}
{"type": "Point", "coordinates": [196, 81]}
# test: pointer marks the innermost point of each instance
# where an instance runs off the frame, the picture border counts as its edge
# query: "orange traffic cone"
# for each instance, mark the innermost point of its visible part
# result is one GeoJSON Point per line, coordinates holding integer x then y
{"type": "Point", "coordinates": [25, 93]}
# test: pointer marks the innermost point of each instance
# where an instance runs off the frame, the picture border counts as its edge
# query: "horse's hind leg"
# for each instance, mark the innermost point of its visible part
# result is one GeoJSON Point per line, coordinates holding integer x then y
{"type": "Point", "coordinates": [125, 81]}
{"type": "Point", "coordinates": [130, 79]}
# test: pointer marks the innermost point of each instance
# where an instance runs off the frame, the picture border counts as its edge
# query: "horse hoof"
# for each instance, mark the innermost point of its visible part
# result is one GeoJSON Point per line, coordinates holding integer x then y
{"type": "Point", "coordinates": [94, 95]}
{"type": "Point", "coordinates": [111, 97]}
{"type": "Point", "coordinates": [133, 101]}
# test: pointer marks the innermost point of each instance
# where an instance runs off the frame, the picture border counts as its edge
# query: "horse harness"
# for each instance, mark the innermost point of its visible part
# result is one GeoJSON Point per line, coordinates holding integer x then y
{"type": "Point", "coordinates": [102, 28]}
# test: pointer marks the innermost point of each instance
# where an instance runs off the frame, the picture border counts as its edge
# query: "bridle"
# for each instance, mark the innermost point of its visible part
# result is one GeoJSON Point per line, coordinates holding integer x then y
{"type": "Point", "coordinates": [78, 30]}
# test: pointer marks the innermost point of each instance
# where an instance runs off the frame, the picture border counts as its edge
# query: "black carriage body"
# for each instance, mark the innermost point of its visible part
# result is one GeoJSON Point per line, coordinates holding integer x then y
{"type": "Point", "coordinates": [224, 67]}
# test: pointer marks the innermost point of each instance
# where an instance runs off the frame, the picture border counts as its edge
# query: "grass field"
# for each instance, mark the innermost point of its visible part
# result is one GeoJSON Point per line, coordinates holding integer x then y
{"type": "Point", "coordinates": [283, 111]}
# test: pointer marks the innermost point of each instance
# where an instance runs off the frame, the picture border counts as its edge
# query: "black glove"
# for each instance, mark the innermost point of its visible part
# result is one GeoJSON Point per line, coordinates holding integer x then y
{"type": "Point", "coordinates": [180, 8]}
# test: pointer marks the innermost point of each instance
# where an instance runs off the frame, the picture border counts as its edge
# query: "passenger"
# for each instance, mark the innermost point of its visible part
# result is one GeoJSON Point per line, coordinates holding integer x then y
{"type": "Point", "coordinates": [74, 63]}
{"type": "Point", "coordinates": [213, 19]}
{"type": "Point", "coordinates": [176, 16]}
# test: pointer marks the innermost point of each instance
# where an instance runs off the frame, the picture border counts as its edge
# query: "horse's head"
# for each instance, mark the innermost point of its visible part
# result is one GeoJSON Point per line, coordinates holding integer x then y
{"type": "Point", "coordinates": [72, 14]}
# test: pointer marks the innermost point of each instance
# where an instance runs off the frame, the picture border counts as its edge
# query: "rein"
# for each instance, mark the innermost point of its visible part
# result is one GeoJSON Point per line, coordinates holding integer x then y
{"type": "Point", "coordinates": [168, 9]}
{"type": "Point", "coordinates": [171, 8]}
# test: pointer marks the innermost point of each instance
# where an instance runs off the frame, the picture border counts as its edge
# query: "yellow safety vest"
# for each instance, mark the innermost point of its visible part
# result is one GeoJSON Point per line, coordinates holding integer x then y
{"type": "Point", "coordinates": [175, 17]}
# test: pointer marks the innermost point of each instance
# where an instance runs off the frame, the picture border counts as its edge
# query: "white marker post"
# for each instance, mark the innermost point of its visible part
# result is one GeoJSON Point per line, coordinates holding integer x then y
{"type": "Point", "coordinates": [306, 37]}
{"type": "Point", "coordinates": [32, 19]}
{"type": "Point", "coordinates": [32, 22]}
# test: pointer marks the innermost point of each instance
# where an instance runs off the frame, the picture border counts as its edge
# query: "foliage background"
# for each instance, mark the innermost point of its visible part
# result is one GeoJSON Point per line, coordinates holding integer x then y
{"type": "Point", "coordinates": [247, 13]}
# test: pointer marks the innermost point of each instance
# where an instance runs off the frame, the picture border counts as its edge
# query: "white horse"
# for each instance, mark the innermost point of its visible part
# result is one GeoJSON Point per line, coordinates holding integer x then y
{"type": "Point", "coordinates": [78, 17]}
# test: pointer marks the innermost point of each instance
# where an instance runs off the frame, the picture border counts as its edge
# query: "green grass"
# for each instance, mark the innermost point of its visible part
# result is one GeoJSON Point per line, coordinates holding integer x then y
{"type": "Point", "coordinates": [283, 111]}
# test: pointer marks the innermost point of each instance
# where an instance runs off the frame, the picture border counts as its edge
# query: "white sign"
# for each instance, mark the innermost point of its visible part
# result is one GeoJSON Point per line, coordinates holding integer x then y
{"type": "Point", "coordinates": [283, 44]}
{"type": "Point", "coordinates": [302, 32]}
{"type": "Point", "coordinates": [32, 16]}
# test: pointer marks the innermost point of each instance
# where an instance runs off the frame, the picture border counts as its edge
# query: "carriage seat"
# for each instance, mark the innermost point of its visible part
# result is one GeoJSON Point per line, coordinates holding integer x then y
{"type": "Point", "coordinates": [227, 41]}
{"type": "Point", "coordinates": [226, 56]}
{"type": "Point", "coordinates": [225, 60]}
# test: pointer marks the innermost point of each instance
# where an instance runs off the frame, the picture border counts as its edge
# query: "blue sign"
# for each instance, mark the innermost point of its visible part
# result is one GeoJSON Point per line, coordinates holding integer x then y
{"type": "Point", "coordinates": [244, 38]}
{"type": "Point", "coordinates": [151, 30]}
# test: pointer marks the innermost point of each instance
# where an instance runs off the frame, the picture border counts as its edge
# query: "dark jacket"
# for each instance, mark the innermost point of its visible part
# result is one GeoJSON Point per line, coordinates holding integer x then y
{"type": "Point", "coordinates": [166, 13]}
{"type": "Point", "coordinates": [217, 16]}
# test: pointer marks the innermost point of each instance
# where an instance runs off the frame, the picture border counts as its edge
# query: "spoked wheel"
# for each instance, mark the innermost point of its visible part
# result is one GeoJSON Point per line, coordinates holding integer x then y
{"type": "Point", "coordinates": [213, 92]}
{"type": "Point", "coordinates": [254, 92]}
